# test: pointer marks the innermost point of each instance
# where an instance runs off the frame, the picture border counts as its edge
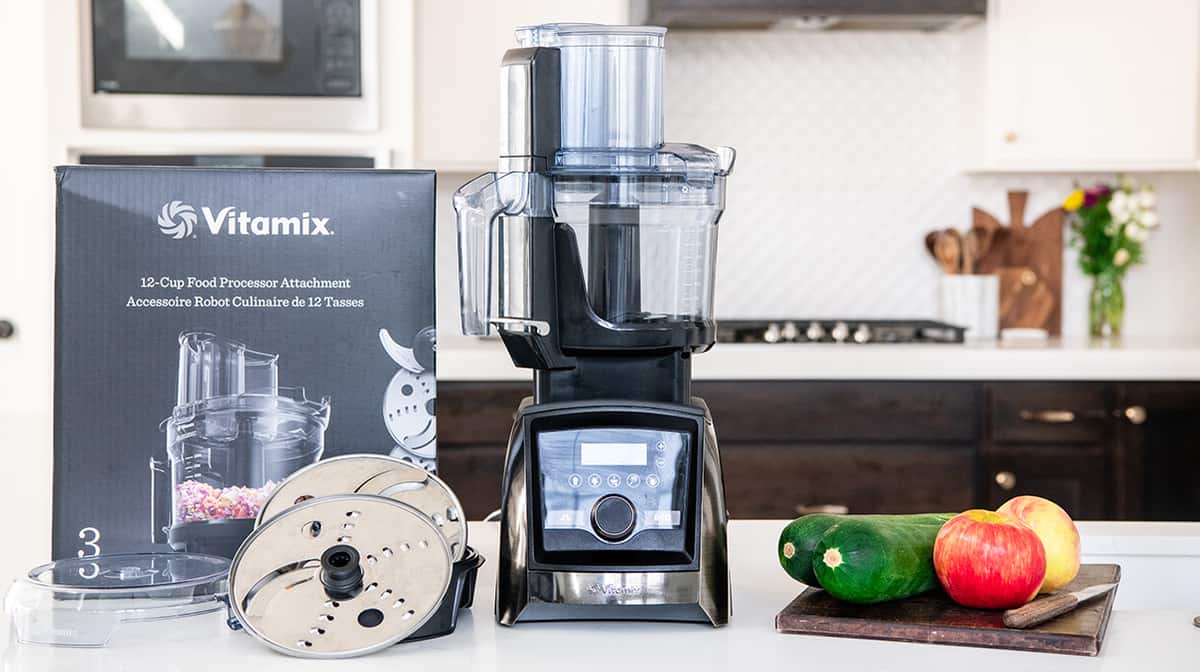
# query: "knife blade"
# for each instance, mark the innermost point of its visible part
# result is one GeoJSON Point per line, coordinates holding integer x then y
{"type": "Point", "coordinates": [1046, 608]}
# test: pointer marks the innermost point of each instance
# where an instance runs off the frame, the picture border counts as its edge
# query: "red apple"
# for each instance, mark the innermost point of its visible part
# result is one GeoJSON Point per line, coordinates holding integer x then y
{"type": "Point", "coordinates": [989, 560]}
{"type": "Point", "coordinates": [1057, 532]}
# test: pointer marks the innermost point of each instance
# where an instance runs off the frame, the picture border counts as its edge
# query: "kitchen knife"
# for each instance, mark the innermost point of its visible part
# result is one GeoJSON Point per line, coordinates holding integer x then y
{"type": "Point", "coordinates": [1040, 611]}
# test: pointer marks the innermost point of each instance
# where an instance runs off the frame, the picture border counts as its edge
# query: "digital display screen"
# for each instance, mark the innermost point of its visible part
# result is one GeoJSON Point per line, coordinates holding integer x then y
{"type": "Point", "coordinates": [613, 454]}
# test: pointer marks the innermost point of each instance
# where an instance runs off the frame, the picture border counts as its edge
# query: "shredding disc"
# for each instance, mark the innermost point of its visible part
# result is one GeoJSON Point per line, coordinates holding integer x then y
{"type": "Point", "coordinates": [285, 595]}
{"type": "Point", "coordinates": [375, 475]}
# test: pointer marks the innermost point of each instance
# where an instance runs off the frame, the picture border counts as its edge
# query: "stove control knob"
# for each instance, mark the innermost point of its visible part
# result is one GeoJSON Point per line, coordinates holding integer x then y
{"type": "Point", "coordinates": [613, 517]}
{"type": "Point", "coordinates": [772, 333]}
{"type": "Point", "coordinates": [841, 331]}
{"type": "Point", "coordinates": [814, 332]}
{"type": "Point", "coordinates": [790, 331]}
{"type": "Point", "coordinates": [862, 334]}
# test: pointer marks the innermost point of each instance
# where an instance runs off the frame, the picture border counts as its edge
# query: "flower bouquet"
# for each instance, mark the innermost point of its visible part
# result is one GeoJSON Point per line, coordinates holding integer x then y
{"type": "Point", "coordinates": [1109, 225]}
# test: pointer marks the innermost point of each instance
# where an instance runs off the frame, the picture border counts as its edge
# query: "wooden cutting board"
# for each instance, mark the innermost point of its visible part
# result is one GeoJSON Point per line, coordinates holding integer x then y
{"type": "Point", "coordinates": [933, 619]}
{"type": "Point", "coordinates": [1028, 260]}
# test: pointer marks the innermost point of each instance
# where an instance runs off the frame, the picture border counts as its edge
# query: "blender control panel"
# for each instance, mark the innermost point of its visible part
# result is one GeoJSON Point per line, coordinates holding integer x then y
{"type": "Point", "coordinates": [613, 482]}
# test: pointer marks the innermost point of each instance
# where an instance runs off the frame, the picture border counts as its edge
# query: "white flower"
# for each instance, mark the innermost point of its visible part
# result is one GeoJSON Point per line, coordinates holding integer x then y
{"type": "Point", "coordinates": [1120, 207]}
{"type": "Point", "coordinates": [1121, 257]}
{"type": "Point", "coordinates": [1148, 219]}
{"type": "Point", "coordinates": [1136, 233]}
{"type": "Point", "coordinates": [1146, 199]}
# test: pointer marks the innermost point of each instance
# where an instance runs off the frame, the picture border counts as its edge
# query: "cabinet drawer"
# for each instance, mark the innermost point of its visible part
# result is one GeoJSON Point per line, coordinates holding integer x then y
{"type": "Point", "coordinates": [794, 411]}
{"type": "Point", "coordinates": [1051, 412]}
{"type": "Point", "coordinates": [1075, 477]}
{"type": "Point", "coordinates": [784, 480]}
{"type": "Point", "coordinates": [478, 412]}
{"type": "Point", "coordinates": [476, 473]}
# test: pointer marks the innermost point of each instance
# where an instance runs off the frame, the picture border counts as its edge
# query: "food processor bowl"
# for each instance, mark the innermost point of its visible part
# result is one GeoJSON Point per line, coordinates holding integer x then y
{"type": "Point", "coordinates": [232, 437]}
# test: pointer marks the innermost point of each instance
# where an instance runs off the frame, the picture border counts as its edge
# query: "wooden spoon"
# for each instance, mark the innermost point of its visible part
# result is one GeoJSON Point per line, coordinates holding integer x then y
{"type": "Point", "coordinates": [970, 251]}
{"type": "Point", "coordinates": [948, 250]}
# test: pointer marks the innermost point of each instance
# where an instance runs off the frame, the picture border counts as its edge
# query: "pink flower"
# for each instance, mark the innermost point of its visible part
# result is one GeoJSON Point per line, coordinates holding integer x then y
{"type": "Point", "coordinates": [1094, 193]}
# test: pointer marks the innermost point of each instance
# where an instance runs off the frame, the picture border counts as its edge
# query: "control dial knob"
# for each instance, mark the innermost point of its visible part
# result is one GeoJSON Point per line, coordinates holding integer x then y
{"type": "Point", "coordinates": [613, 517]}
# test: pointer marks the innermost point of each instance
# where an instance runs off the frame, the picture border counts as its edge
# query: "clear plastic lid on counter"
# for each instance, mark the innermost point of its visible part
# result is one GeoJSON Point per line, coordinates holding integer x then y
{"type": "Point", "coordinates": [82, 602]}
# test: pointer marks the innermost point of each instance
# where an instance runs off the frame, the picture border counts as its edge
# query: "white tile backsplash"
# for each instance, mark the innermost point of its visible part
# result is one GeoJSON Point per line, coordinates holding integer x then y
{"type": "Point", "coordinates": [848, 153]}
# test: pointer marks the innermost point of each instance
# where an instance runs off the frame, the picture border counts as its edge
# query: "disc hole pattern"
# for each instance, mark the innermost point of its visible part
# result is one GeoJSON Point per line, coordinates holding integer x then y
{"type": "Point", "coordinates": [387, 552]}
{"type": "Point", "coordinates": [311, 528]}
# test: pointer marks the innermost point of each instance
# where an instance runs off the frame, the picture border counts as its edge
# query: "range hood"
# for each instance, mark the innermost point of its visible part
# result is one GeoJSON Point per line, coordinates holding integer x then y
{"type": "Point", "coordinates": [926, 15]}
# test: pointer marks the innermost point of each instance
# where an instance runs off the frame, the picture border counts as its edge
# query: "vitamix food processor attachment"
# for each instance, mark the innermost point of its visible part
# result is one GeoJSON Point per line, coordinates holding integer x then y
{"type": "Point", "coordinates": [233, 436]}
{"type": "Point", "coordinates": [591, 251]}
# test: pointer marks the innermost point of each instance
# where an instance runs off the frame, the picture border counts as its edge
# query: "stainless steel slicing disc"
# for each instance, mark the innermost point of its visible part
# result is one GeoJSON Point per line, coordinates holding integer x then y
{"type": "Point", "coordinates": [275, 585]}
{"type": "Point", "coordinates": [375, 475]}
{"type": "Point", "coordinates": [428, 493]}
{"type": "Point", "coordinates": [340, 475]}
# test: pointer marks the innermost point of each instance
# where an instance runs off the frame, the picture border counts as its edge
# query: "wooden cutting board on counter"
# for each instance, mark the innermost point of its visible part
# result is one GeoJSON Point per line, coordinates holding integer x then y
{"type": "Point", "coordinates": [1028, 261]}
{"type": "Point", "coordinates": [933, 618]}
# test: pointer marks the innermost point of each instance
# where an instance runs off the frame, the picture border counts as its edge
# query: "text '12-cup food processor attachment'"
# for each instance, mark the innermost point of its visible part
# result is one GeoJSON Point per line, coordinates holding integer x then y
{"type": "Point", "coordinates": [351, 555]}
{"type": "Point", "coordinates": [591, 251]}
{"type": "Point", "coordinates": [232, 437]}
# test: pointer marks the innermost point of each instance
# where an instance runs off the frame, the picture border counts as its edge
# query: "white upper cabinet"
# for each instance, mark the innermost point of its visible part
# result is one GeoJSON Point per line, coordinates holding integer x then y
{"type": "Point", "coordinates": [459, 44]}
{"type": "Point", "coordinates": [1078, 85]}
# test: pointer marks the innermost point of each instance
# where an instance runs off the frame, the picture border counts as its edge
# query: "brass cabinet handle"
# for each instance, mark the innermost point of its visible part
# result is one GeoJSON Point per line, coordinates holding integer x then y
{"type": "Point", "coordinates": [1011, 136]}
{"type": "Point", "coordinates": [805, 509]}
{"type": "Point", "coordinates": [1136, 415]}
{"type": "Point", "coordinates": [1006, 480]}
{"type": "Point", "coordinates": [1051, 417]}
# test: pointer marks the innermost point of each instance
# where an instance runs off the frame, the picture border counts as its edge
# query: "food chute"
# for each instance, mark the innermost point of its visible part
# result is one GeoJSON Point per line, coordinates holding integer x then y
{"type": "Point", "coordinates": [592, 253]}
{"type": "Point", "coordinates": [232, 437]}
{"type": "Point", "coordinates": [84, 602]}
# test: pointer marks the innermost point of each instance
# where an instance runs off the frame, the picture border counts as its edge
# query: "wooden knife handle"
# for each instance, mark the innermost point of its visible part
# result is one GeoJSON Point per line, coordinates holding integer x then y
{"type": "Point", "coordinates": [1039, 611]}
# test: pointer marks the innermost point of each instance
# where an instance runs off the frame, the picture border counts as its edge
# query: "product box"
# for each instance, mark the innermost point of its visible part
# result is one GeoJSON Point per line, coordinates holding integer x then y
{"type": "Point", "coordinates": [218, 329]}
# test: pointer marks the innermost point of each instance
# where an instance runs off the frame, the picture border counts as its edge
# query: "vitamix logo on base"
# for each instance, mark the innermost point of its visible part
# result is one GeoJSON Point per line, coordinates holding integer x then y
{"type": "Point", "coordinates": [178, 220]}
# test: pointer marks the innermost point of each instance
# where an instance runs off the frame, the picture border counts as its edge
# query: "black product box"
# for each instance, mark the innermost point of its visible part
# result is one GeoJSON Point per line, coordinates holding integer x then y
{"type": "Point", "coordinates": [218, 329]}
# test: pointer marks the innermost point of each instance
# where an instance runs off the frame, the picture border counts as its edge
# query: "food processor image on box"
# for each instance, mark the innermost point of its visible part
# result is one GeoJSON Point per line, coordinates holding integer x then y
{"type": "Point", "coordinates": [233, 436]}
{"type": "Point", "coordinates": [592, 251]}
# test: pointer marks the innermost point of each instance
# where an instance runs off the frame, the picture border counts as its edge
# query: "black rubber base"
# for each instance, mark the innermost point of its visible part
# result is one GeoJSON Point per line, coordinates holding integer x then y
{"type": "Point", "coordinates": [211, 537]}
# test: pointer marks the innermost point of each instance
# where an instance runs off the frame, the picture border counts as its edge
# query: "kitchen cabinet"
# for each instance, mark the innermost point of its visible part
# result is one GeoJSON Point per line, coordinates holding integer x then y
{"type": "Point", "coordinates": [458, 48]}
{"type": "Point", "coordinates": [1102, 450]}
{"type": "Point", "coordinates": [1160, 439]}
{"type": "Point", "coordinates": [1086, 85]}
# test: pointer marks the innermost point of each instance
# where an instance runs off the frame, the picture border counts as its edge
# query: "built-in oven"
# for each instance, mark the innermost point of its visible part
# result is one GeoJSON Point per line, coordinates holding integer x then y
{"type": "Point", "coordinates": [230, 64]}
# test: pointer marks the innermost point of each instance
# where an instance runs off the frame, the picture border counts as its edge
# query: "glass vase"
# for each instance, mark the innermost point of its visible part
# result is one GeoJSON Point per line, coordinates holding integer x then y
{"type": "Point", "coordinates": [1106, 306]}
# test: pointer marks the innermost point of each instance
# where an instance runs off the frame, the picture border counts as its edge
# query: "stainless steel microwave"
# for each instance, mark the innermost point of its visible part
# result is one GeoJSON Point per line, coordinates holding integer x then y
{"type": "Point", "coordinates": [231, 64]}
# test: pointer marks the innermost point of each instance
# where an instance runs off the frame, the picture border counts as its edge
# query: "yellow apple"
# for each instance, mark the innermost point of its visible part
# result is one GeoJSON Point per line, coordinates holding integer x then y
{"type": "Point", "coordinates": [1057, 532]}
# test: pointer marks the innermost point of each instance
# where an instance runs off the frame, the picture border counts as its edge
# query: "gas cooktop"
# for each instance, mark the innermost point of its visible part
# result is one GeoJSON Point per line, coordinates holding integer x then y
{"type": "Point", "coordinates": [837, 331]}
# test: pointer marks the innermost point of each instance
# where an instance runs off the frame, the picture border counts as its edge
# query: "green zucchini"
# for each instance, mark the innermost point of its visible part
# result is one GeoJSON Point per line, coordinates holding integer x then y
{"type": "Point", "coordinates": [875, 559]}
{"type": "Point", "coordinates": [798, 540]}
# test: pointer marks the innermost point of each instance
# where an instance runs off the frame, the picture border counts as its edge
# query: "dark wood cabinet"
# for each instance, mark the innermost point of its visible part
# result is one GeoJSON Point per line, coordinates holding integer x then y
{"type": "Point", "coordinates": [1102, 450]}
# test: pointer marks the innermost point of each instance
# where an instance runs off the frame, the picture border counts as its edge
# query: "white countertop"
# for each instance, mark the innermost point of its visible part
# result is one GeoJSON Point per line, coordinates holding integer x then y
{"type": "Point", "coordinates": [1145, 359]}
{"type": "Point", "coordinates": [1160, 638]}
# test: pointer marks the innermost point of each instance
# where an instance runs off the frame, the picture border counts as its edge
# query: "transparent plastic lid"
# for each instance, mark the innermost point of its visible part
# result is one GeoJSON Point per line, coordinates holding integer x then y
{"type": "Point", "coordinates": [84, 601]}
{"type": "Point", "coordinates": [611, 92]}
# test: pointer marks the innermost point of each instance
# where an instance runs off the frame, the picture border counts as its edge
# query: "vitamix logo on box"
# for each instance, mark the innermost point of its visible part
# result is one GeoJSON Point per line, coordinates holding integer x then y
{"type": "Point", "coordinates": [178, 220]}
{"type": "Point", "coordinates": [219, 329]}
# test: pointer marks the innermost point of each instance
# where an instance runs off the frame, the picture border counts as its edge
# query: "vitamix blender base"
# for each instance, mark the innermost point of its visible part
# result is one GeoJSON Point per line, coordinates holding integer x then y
{"type": "Point", "coordinates": [591, 252]}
